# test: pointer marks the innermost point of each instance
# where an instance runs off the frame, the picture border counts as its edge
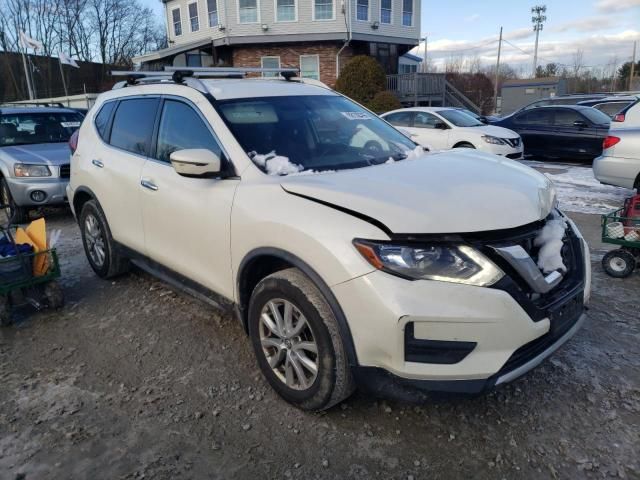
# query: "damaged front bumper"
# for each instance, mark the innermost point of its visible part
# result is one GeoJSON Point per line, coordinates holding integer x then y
{"type": "Point", "coordinates": [472, 338]}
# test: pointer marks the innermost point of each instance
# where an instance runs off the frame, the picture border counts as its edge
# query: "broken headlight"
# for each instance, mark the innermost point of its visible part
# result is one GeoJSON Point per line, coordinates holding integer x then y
{"type": "Point", "coordinates": [445, 263]}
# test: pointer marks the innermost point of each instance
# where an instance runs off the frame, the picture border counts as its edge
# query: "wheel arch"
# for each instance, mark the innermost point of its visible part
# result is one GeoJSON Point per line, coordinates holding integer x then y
{"type": "Point", "coordinates": [81, 196]}
{"type": "Point", "coordinates": [261, 262]}
{"type": "Point", "coordinates": [463, 142]}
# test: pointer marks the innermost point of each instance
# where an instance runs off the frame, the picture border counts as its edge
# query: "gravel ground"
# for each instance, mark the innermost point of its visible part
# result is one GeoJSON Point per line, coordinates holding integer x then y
{"type": "Point", "coordinates": [133, 380]}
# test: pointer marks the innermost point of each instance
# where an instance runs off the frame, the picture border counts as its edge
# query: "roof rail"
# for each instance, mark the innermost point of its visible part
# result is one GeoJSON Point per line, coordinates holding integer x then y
{"type": "Point", "coordinates": [33, 104]}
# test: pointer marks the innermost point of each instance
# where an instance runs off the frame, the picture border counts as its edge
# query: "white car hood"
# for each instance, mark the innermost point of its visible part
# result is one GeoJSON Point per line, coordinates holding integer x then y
{"type": "Point", "coordinates": [494, 131]}
{"type": "Point", "coordinates": [448, 192]}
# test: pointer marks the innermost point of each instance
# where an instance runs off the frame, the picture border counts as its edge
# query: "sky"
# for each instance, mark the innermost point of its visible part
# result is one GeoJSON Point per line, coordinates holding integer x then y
{"type": "Point", "coordinates": [603, 29]}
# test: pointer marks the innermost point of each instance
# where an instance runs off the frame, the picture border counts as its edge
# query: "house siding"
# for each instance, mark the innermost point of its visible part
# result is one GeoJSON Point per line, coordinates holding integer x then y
{"type": "Point", "coordinates": [228, 17]}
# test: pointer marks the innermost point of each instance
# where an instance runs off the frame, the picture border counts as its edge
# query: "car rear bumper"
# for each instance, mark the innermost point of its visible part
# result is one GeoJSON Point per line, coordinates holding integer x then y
{"type": "Point", "coordinates": [22, 189]}
{"type": "Point", "coordinates": [618, 171]}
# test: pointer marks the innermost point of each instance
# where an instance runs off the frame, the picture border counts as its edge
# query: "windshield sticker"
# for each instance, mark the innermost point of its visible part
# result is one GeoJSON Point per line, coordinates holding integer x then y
{"type": "Point", "coordinates": [70, 124]}
{"type": "Point", "coordinates": [356, 115]}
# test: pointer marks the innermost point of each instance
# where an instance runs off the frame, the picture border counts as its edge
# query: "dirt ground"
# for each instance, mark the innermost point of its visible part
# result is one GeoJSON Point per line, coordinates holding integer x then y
{"type": "Point", "coordinates": [132, 380]}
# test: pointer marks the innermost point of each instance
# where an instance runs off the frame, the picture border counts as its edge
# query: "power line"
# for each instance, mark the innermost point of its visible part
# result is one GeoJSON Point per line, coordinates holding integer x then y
{"type": "Point", "coordinates": [482, 45]}
{"type": "Point", "coordinates": [554, 61]}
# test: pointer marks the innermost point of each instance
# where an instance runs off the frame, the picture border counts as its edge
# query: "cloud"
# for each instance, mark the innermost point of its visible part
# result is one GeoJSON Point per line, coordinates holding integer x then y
{"type": "Point", "coordinates": [472, 18]}
{"type": "Point", "coordinates": [608, 6]}
{"type": "Point", "coordinates": [588, 24]}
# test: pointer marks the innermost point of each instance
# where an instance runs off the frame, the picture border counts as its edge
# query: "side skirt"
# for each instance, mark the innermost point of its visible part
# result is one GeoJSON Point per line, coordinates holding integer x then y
{"type": "Point", "coordinates": [178, 281]}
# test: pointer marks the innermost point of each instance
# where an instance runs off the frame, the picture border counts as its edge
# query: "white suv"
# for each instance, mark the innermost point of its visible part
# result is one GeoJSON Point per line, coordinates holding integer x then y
{"type": "Point", "coordinates": [349, 255]}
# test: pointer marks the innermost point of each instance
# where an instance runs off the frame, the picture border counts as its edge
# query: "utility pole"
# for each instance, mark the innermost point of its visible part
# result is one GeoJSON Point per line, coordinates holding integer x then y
{"type": "Point", "coordinates": [495, 86]}
{"type": "Point", "coordinates": [633, 65]}
{"type": "Point", "coordinates": [424, 66]}
{"type": "Point", "coordinates": [538, 20]}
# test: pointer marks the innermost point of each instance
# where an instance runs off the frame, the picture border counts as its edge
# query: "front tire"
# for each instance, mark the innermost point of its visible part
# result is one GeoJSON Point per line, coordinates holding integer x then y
{"type": "Point", "coordinates": [297, 342]}
{"type": "Point", "coordinates": [98, 243]}
{"type": "Point", "coordinates": [464, 145]}
{"type": "Point", "coordinates": [14, 213]}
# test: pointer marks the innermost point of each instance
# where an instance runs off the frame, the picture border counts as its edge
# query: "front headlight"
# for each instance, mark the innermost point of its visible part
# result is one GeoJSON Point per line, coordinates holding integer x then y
{"type": "Point", "coordinates": [26, 170]}
{"type": "Point", "coordinates": [493, 140]}
{"type": "Point", "coordinates": [445, 263]}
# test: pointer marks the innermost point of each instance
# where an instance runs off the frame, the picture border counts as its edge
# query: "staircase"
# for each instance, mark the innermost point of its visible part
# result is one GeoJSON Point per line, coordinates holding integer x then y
{"type": "Point", "coordinates": [430, 89]}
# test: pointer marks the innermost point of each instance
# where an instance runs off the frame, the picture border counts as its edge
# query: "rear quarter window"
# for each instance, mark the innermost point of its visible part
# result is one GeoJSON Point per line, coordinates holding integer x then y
{"type": "Point", "coordinates": [102, 120]}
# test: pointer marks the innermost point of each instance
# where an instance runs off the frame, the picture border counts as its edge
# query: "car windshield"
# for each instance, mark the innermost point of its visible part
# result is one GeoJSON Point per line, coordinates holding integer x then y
{"type": "Point", "coordinates": [459, 118]}
{"type": "Point", "coordinates": [596, 116]}
{"type": "Point", "coordinates": [37, 127]}
{"type": "Point", "coordinates": [285, 135]}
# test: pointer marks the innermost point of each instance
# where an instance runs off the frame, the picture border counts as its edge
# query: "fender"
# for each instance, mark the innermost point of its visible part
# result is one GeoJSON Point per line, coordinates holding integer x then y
{"type": "Point", "coordinates": [345, 332]}
{"type": "Point", "coordinates": [81, 189]}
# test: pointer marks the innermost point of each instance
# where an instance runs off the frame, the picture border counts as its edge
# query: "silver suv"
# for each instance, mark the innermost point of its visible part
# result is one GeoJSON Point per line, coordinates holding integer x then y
{"type": "Point", "coordinates": [34, 157]}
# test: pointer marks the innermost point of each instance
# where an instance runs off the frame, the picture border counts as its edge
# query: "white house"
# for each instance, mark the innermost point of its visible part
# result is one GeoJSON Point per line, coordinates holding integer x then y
{"type": "Point", "coordinates": [315, 35]}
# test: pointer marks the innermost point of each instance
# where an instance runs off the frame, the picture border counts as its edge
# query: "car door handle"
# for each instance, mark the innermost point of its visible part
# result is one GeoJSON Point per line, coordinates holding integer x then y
{"type": "Point", "coordinates": [148, 184]}
{"type": "Point", "coordinates": [98, 163]}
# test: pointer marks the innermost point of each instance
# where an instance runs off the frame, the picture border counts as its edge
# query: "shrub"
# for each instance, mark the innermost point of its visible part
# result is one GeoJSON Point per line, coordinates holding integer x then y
{"type": "Point", "coordinates": [361, 79]}
{"type": "Point", "coordinates": [383, 102]}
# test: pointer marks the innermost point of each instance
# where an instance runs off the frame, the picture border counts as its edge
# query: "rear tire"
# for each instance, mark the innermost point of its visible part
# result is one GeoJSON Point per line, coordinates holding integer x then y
{"type": "Point", "coordinates": [98, 243]}
{"type": "Point", "coordinates": [299, 349]}
{"type": "Point", "coordinates": [619, 263]}
{"type": "Point", "coordinates": [14, 213]}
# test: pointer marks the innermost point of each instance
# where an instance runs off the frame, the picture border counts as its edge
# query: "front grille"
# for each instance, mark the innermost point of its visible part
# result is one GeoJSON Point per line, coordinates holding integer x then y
{"type": "Point", "coordinates": [512, 142]}
{"type": "Point", "coordinates": [535, 304]}
{"type": "Point", "coordinates": [65, 171]}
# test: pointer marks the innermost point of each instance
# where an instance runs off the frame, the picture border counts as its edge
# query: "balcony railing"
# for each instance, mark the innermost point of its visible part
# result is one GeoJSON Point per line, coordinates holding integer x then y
{"type": "Point", "coordinates": [416, 84]}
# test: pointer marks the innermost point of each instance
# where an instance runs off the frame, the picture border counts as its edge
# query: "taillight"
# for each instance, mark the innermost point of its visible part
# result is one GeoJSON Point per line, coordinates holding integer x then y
{"type": "Point", "coordinates": [619, 117]}
{"type": "Point", "coordinates": [73, 142]}
{"type": "Point", "coordinates": [609, 142]}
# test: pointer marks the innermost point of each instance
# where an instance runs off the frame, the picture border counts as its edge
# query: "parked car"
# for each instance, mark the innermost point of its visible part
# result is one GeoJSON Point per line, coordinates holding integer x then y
{"type": "Point", "coordinates": [619, 163]}
{"type": "Point", "coordinates": [628, 116]}
{"type": "Point", "coordinates": [568, 131]}
{"type": "Point", "coordinates": [610, 105]}
{"type": "Point", "coordinates": [34, 157]}
{"type": "Point", "coordinates": [563, 100]}
{"type": "Point", "coordinates": [346, 261]}
{"type": "Point", "coordinates": [442, 128]}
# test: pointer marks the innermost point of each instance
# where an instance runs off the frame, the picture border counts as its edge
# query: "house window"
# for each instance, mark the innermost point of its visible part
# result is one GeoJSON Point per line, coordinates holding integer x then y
{"type": "Point", "coordinates": [323, 10]}
{"type": "Point", "coordinates": [286, 10]}
{"type": "Point", "coordinates": [193, 59]}
{"type": "Point", "coordinates": [362, 10]}
{"type": "Point", "coordinates": [270, 62]}
{"type": "Point", "coordinates": [248, 11]}
{"type": "Point", "coordinates": [212, 8]}
{"type": "Point", "coordinates": [310, 66]}
{"type": "Point", "coordinates": [404, 68]}
{"type": "Point", "coordinates": [193, 17]}
{"type": "Point", "coordinates": [385, 11]}
{"type": "Point", "coordinates": [177, 22]}
{"type": "Point", "coordinates": [407, 13]}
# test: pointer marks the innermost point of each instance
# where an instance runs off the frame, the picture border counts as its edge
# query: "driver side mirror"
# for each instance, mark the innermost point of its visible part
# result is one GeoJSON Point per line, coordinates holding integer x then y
{"type": "Point", "coordinates": [440, 126]}
{"type": "Point", "coordinates": [196, 162]}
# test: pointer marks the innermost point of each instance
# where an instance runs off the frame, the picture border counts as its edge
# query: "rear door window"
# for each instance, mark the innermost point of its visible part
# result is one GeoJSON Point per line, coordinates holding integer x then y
{"type": "Point", "coordinates": [566, 118]}
{"type": "Point", "coordinates": [181, 127]}
{"type": "Point", "coordinates": [133, 125]}
{"type": "Point", "coordinates": [102, 120]}
{"type": "Point", "coordinates": [400, 119]}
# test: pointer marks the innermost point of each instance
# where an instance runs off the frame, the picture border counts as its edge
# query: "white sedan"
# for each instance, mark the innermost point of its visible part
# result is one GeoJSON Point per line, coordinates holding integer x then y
{"type": "Point", "coordinates": [442, 128]}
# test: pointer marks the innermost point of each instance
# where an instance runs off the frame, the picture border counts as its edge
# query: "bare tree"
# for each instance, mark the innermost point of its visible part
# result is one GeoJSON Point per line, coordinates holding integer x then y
{"type": "Point", "coordinates": [578, 62]}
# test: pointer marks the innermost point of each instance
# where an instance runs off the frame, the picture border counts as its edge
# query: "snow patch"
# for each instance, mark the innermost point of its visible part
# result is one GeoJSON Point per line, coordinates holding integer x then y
{"type": "Point", "coordinates": [415, 153]}
{"type": "Point", "coordinates": [550, 242]}
{"type": "Point", "coordinates": [275, 164]}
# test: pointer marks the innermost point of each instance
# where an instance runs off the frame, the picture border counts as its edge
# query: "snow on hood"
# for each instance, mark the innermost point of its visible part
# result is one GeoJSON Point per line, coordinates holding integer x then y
{"type": "Point", "coordinates": [39, 153]}
{"type": "Point", "coordinates": [448, 192]}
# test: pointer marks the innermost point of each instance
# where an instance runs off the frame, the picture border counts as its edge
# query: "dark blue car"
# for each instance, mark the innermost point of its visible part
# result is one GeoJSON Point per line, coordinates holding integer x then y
{"type": "Point", "coordinates": [567, 131]}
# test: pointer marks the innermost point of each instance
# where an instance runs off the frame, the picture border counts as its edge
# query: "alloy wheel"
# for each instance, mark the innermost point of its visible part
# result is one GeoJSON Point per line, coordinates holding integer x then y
{"type": "Point", "coordinates": [288, 344]}
{"type": "Point", "coordinates": [95, 240]}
